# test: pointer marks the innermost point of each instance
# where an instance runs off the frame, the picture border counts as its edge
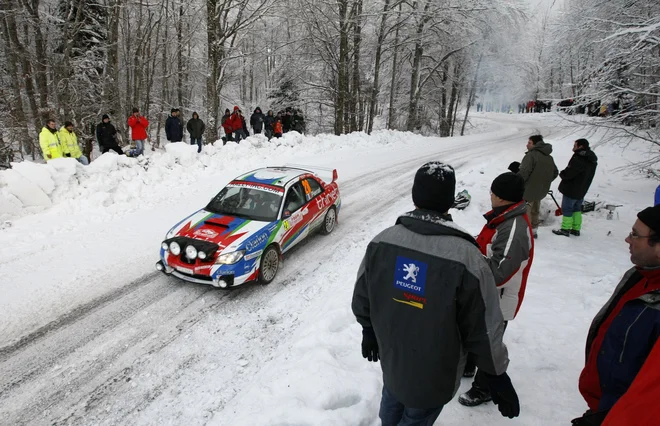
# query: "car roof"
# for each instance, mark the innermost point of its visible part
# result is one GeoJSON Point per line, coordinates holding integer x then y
{"type": "Point", "coordinates": [275, 176]}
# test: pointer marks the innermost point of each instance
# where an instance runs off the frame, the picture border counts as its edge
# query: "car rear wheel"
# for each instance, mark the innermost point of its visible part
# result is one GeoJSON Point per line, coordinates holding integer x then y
{"type": "Point", "coordinates": [270, 263]}
{"type": "Point", "coordinates": [329, 221]}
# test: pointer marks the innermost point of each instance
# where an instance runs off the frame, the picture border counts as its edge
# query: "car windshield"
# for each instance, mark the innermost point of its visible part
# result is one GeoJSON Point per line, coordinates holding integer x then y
{"type": "Point", "coordinates": [246, 202]}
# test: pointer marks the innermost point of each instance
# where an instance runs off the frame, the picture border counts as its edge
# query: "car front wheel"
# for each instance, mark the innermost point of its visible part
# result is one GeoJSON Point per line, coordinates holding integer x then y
{"type": "Point", "coordinates": [270, 263]}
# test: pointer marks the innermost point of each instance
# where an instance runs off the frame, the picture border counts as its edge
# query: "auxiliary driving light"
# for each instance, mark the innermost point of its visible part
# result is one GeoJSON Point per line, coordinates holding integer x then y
{"type": "Point", "coordinates": [191, 252]}
{"type": "Point", "coordinates": [175, 248]}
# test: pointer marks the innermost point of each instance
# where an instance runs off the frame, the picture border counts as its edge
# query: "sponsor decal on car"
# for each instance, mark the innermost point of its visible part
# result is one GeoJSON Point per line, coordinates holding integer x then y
{"type": "Point", "coordinates": [295, 219]}
{"type": "Point", "coordinates": [253, 255]}
{"type": "Point", "coordinates": [184, 270]}
{"type": "Point", "coordinates": [271, 189]}
{"type": "Point", "coordinates": [205, 233]}
{"type": "Point", "coordinates": [257, 241]}
{"type": "Point", "coordinates": [327, 200]}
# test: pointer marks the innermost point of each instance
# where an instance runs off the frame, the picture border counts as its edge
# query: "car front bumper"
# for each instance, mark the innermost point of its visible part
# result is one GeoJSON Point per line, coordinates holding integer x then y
{"type": "Point", "coordinates": [219, 282]}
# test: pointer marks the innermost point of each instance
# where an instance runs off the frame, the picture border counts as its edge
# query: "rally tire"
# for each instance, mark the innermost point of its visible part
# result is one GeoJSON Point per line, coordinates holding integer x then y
{"type": "Point", "coordinates": [329, 221]}
{"type": "Point", "coordinates": [269, 265]}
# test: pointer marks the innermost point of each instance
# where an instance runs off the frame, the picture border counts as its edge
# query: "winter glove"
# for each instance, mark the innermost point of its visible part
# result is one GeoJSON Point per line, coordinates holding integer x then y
{"type": "Point", "coordinates": [590, 419]}
{"type": "Point", "coordinates": [68, 155]}
{"type": "Point", "coordinates": [504, 395]}
{"type": "Point", "coordinates": [369, 344]}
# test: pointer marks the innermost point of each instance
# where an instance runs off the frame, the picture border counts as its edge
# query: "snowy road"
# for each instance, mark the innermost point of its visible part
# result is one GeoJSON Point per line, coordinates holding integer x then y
{"type": "Point", "coordinates": [160, 351]}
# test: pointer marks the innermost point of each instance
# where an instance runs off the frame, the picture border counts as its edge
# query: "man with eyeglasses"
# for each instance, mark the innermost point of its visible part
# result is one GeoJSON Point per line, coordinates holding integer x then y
{"type": "Point", "coordinates": [623, 338]}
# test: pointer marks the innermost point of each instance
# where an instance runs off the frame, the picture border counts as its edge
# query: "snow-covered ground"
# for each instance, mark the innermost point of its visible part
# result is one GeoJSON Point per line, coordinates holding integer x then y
{"type": "Point", "coordinates": [92, 335]}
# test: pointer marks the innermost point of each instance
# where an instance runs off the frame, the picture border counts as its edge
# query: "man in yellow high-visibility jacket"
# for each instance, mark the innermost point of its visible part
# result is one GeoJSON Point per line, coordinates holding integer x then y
{"type": "Point", "coordinates": [69, 142]}
{"type": "Point", "coordinates": [50, 142]}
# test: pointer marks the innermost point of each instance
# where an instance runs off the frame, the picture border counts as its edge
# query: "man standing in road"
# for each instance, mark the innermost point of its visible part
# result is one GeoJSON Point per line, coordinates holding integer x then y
{"type": "Point", "coordinates": [623, 337]}
{"type": "Point", "coordinates": [506, 241]}
{"type": "Point", "coordinates": [538, 169]}
{"type": "Point", "coordinates": [427, 276]}
{"type": "Point", "coordinates": [576, 179]}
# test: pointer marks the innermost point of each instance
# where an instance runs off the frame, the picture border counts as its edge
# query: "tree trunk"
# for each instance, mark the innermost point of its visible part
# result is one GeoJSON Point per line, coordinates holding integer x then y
{"type": "Point", "coordinates": [375, 88]}
{"type": "Point", "coordinates": [212, 98]}
{"type": "Point", "coordinates": [473, 89]}
{"type": "Point", "coordinates": [342, 69]}
{"type": "Point", "coordinates": [390, 112]}
{"type": "Point", "coordinates": [179, 56]}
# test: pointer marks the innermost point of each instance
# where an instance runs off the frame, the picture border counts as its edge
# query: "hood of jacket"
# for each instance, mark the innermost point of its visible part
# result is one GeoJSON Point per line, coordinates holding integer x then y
{"type": "Point", "coordinates": [257, 110]}
{"type": "Point", "coordinates": [499, 215]}
{"type": "Point", "coordinates": [587, 154]}
{"type": "Point", "coordinates": [543, 148]}
{"type": "Point", "coordinates": [193, 116]}
{"type": "Point", "coordinates": [427, 222]}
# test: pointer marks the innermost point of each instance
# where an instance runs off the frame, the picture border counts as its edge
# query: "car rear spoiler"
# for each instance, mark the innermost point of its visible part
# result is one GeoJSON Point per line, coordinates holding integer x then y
{"type": "Point", "coordinates": [321, 171]}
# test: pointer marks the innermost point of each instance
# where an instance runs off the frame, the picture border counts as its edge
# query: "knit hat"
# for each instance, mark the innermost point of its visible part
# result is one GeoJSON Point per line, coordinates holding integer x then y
{"type": "Point", "coordinates": [236, 108]}
{"type": "Point", "coordinates": [509, 186]}
{"type": "Point", "coordinates": [135, 110]}
{"type": "Point", "coordinates": [514, 167]}
{"type": "Point", "coordinates": [434, 187]}
{"type": "Point", "coordinates": [105, 116]}
{"type": "Point", "coordinates": [651, 218]}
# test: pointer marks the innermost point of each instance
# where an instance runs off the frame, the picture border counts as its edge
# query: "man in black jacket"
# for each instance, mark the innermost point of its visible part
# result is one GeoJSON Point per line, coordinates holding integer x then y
{"type": "Point", "coordinates": [576, 179]}
{"type": "Point", "coordinates": [269, 121]}
{"type": "Point", "coordinates": [196, 129]}
{"type": "Point", "coordinates": [174, 127]}
{"type": "Point", "coordinates": [257, 120]}
{"type": "Point", "coordinates": [106, 136]}
{"type": "Point", "coordinates": [424, 297]}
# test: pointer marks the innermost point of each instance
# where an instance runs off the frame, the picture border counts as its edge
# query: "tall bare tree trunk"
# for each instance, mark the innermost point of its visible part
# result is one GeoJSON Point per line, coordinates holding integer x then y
{"type": "Point", "coordinates": [356, 95]}
{"type": "Point", "coordinates": [379, 49]}
{"type": "Point", "coordinates": [342, 70]}
{"type": "Point", "coordinates": [413, 106]}
{"type": "Point", "coordinates": [473, 90]}
{"type": "Point", "coordinates": [179, 56]}
{"type": "Point", "coordinates": [212, 80]}
{"type": "Point", "coordinates": [395, 57]}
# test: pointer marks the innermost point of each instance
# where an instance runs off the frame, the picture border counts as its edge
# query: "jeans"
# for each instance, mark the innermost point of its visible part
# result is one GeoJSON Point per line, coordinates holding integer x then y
{"type": "Point", "coordinates": [534, 213]}
{"type": "Point", "coordinates": [197, 141]}
{"type": "Point", "coordinates": [571, 210]}
{"type": "Point", "coordinates": [393, 413]}
{"type": "Point", "coordinates": [269, 133]}
{"type": "Point", "coordinates": [139, 148]}
{"type": "Point", "coordinates": [238, 135]}
{"type": "Point", "coordinates": [83, 160]}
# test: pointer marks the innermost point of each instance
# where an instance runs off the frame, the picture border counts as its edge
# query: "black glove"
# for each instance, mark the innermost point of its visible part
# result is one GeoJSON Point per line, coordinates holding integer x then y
{"type": "Point", "coordinates": [590, 419]}
{"type": "Point", "coordinates": [68, 155]}
{"type": "Point", "coordinates": [504, 395]}
{"type": "Point", "coordinates": [369, 344]}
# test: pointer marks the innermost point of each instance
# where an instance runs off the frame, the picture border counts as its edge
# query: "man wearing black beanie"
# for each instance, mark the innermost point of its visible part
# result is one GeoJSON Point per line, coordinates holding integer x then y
{"type": "Point", "coordinates": [425, 296]}
{"type": "Point", "coordinates": [507, 242]}
{"type": "Point", "coordinates": [623, 338]}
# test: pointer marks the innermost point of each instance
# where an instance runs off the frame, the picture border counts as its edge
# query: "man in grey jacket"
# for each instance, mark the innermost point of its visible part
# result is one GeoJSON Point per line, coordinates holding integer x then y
{"type": "Point", "coordinates": [425, 296]}
{"type": "Point", "coordinates": [506, 241]}
{"type": "Point", "coordinates": [538, 169]}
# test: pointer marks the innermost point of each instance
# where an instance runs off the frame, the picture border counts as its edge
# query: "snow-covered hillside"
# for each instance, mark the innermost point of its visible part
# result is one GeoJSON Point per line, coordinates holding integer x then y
{"type": "Point", "coordinates": [94, 336]}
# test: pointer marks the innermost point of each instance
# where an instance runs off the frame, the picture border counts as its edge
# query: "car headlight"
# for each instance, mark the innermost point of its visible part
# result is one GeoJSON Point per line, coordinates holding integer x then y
{"type": "Point", "coordinates": [164, 246]}
{"type": "Point", "coordinates": [191, 252]}
{"type": "Point", "coordinates": [230, 258]}
{"type": "Point", "coordinates": [175, 248]}
{"type": "Point", "coordinates": [201, 255]}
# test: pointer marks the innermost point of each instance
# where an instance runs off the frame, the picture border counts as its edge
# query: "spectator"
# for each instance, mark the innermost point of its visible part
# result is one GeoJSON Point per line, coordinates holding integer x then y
{"type": "Point", "coordinates": [576, 179]}
{"type": "Point", "coordinates": [106, 136]}
{"type": "Point", "coordinates": [287, 120]}
{"type": "Point", "coordinates": [538, 169]}
{"type": "Point", "coordinates": [69, 142]}
{"type": "Point", "coordinates": [49, 141]}
{"type": "Point", "coordinates": [196, 129]}
{"type": "Point", "coordinates": [277, 128]}
{"type": "Point", "coordinates": [424, 295]}
{"type": "Point", "coordinates": [138, 125]}
{"type": "Point", "coordinates": [257, 120]}
{"type": "Point", "coordinates": [625, 332]}
{"type": "Point", "coordinates": [514, 167]}
{"type": "Point", "coordinates": [298, 122]}
{"type": "Point", "coordinates": [246, 132]}
{"type": "Point", "coordinates": [269, 121]}
{"type": "Point", "coordinates": [233, 126]}
{"type": "Point", "coordinates": [506, 241]}
{"type": "Point", "coordinates": [173, 127]}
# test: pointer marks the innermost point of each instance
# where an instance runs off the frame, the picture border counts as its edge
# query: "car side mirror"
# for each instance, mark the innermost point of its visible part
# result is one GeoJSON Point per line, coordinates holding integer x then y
{"type": "Point", "coordinates": [286, 214]}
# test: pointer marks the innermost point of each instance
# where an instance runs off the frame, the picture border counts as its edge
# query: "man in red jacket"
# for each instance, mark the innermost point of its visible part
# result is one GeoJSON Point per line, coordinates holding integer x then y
{"type": "Point", "coordinates": [623, 337]}
{"type": "Point", "coordinates": [507, 242]}
{"type": "Point", "coordinates": [138, 125]}
{"type": "Point", "coordinates": [234, 125]}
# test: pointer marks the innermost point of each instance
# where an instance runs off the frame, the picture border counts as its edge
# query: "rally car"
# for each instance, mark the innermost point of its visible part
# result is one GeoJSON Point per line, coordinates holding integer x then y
{"type": "Point", "coordinates": [241, 235]}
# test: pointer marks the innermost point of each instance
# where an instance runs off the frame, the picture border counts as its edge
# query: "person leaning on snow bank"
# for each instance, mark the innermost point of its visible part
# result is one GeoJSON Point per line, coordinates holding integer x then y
{"type": "Point", "coordinates": [576, 179]}
{"type": "Point", "coordinates": [196, 129]}
{"type": "Point", "coordinates": [269, 121]}
{"type": "Point", "coordinates": [538, 169]}
{"type": "Point", "coordinates": [69, 142]}
{"type": "Point", "coordinates": [50, 142]}
{"type": "Point", "coordinates": [257, 121]}
{"type": "Point", "coordinates": [624, 334]}
{"type": "Point", "coordinates": [427, 276]}
{"type": "Point", "coordinates": [106, 136]}
{"type": "Point", "coordinates": [507, 242]}
{"type": "Point", "coordinates": [138, 125]}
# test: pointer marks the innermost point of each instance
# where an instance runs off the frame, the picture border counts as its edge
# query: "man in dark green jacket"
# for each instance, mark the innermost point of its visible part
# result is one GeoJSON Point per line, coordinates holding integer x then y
{"type": "Point", "coordinates": [424, 297]}
{"type": "Point", "coordinates": [538, 169]}
{"type": "Point", "coordinates": [576, 179]}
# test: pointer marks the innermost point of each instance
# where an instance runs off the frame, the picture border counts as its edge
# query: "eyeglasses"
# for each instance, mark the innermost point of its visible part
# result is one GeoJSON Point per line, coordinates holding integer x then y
{"type": "Point", "coordinates": [634, 236]}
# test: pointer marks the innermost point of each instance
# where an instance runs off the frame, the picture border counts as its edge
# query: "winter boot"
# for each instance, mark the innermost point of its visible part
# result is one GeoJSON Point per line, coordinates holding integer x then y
{"type": "Point", "coordinates": [574, 232]}
{"type": "Point", "coordinates": [474, 397]}
{"type": "Point", "coordinates": [535, 234]}
{"type": "Point", "coordinates": [470, 371]}
{"type": "Point", "coordinates": [563, 232]}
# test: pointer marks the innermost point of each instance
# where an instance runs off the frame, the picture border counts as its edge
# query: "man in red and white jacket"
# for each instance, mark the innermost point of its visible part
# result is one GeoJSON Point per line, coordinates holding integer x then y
{"type": "Point", "coordinates": [507, 242]}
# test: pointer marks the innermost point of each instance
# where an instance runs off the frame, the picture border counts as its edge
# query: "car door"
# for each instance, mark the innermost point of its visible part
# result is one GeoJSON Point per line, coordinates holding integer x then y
{"type": "Point", "coordinates": [293, 216]}
{"type": "Point", "coordinates": [316, 211]}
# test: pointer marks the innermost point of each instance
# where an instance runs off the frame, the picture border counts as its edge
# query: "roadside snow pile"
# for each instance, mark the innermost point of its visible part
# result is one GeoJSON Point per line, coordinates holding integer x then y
{"type": "Point", "coordinates": [112, 180]}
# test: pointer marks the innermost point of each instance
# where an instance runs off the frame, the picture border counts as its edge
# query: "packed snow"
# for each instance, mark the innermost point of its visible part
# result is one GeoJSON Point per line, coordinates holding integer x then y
{"type": "Point", "coordinates": [289, 353]}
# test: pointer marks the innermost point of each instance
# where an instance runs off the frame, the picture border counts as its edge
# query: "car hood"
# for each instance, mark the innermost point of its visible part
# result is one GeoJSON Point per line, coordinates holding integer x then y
{"type": "Point", "coordinates": [224, 230]}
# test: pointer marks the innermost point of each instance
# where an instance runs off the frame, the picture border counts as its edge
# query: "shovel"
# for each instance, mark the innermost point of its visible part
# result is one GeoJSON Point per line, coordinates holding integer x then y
{"type": "Point", "coordinates": [558, 212]}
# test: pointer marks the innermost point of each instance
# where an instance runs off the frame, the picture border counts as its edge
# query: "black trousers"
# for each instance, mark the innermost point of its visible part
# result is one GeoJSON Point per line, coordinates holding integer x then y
{"type": "Point", "coordinates": [480, 380]}
{"type": "Point", "coordinates": [114, 148]}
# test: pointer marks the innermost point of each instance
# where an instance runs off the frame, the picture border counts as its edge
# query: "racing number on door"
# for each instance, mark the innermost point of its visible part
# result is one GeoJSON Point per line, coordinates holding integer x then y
{"type": "Point", "coordinates": [308, 190]}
